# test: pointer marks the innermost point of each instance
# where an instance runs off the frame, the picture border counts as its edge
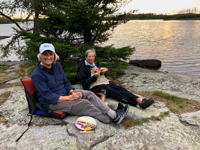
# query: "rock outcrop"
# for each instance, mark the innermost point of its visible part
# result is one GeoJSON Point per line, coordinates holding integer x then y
{"type": "Point", "coordinates": [172, 132]}
{"type": "Point", "coordinates": [49, 133]}
{"type": "Point", "coordinates": [149, 63]}
{"type": "Point", "coordinates": [181, 85]}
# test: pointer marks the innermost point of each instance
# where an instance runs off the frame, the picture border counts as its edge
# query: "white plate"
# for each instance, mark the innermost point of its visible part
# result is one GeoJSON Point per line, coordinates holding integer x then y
{"type": "Point", "coordinates": [80, 125]}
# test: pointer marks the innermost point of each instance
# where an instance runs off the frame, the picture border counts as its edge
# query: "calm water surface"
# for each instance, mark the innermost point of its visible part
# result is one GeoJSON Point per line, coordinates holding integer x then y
{"type": "Point", "coordinates": [175, 43]}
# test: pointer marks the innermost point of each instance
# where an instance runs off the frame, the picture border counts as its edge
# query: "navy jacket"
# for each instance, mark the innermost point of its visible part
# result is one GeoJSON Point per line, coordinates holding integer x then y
{"type": "Point", "coordinates": [50, 85]}
{"type": "Point", "coordinates": [85, 76]}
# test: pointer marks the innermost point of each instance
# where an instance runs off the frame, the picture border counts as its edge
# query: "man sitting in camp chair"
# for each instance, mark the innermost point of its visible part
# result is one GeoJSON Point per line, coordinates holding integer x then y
{"type": "Point", "coordinates": [55, 92]}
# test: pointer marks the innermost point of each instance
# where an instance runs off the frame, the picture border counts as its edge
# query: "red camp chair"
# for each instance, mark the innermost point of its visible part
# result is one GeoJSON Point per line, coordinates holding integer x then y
{"type": "Point", "coordinates": [35, 108]}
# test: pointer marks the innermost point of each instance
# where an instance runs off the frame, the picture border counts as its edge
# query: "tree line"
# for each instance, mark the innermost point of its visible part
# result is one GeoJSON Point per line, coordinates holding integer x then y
{"type": "Point", "coordinates": [193, 10]}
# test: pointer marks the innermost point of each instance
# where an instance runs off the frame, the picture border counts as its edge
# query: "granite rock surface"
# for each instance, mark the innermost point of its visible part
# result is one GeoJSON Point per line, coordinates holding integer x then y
{"type": "Point", "coordinates": [172, 132]}
{"type": "Point", "coordinates": [181, 85]}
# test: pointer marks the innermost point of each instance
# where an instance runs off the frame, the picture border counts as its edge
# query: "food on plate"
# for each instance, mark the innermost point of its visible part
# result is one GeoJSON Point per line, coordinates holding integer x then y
{"type": "Point", "coordinates": [85, 123]}
{"type": "Point", "coordinates": [101, 69]}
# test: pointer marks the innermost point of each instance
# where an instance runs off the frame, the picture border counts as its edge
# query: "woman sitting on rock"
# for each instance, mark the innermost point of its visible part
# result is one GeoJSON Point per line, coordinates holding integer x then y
{"type": "Point", "coordinates": [96, 81]}
{"type": "Point", "coordinates": [55, 92]}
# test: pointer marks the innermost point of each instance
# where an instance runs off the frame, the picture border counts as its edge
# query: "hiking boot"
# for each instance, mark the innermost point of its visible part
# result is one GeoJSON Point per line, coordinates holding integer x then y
{"type": "Point", "coordinates": [120, 106]}
{"type": "Point", "coordinates": [121, 113]}
{"type": "Point", "coordinates": [146, 103]}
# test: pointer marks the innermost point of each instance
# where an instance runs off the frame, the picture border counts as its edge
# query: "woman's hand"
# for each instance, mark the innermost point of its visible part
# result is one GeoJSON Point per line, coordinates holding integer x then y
{"type": "Point", "coordinates": [71, 91]}
{"type": "Point", "coordinates": [72, 97]}
{"type": "Point", "coordinates": [97, 74]}
{"type": "Point", "coordinates": [77, 95]}
{"type": "Point", "coordinates": [102, 73]}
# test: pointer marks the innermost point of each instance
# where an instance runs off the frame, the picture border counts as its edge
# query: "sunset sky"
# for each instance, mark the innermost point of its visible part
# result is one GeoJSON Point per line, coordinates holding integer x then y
{"type": "Point", "coordinates": [161, 6]}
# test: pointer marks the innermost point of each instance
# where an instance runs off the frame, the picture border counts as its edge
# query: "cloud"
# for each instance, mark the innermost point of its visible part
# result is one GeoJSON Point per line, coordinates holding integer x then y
{"type": "Point", "coordinates": [161, 6]}
{"type": "Point", "coordinates": [196, 2]}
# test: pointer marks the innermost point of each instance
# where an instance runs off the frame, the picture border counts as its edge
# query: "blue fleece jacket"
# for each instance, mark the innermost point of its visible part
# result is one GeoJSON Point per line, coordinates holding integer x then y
{"type": "Point", "coordinates": [50, 84]}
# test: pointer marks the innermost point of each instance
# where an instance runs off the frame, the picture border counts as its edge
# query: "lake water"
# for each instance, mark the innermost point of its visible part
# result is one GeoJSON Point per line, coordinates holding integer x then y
{"type": "Point", "coordinates": [175, 43]}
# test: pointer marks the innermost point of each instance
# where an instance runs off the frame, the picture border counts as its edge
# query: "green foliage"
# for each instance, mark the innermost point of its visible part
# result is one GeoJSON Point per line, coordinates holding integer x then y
{"type": "Point", "coordinates": [4, 97]}
{"type": "Point", "coordinates": [73, 27]}
{"type": "Point", "coordinates": [21, 72]}
{"type": "Point", "coordinates": [83, 20]}
{"type": "Point", "coordinates": [30, 70]}
{"type": "Point", "coordinates": [171, 99]}
{"type": "Point", "coordinates": [173, 110]}
{"type": "Point", "coordinates": [113, 58]}
{"type": "Point", "coordinates": [163, 114]}
{"type": "Point", "coordinates": [3, 67]}
{"type": "Point", "coordinates": [155, 118]}
{"type": "Point", "coordinates": [130, 122]}
{"type": "Point", "coordinates": [158, 118]}
{"type": "Point", "coordinates": [181, 105]}
{"type": "Point", "coordinates": [17, 84]}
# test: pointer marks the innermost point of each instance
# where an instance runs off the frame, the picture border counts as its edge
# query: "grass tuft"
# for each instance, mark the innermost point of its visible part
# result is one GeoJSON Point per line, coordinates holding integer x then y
{"type": "Point", "coordinates": [181, 105]}
{"type": "Point", "coordinates": [155, 118]}
{"type": "Point", "coordinates": [4, 97]}
{"type": "Point", "coordinates": [171, 99]}
{"type": "Point", "coordinates": [3, 67]}
{"type": "Point", "coordinates": [3, 75]}
{"type": "Point", "coordinates": [17, 84]}
{"type": "Point", "coordinates": [130, 122]}
{"type": "Point", "coordinates": [164, 114]}
{"type": "Point", "coordinates": [173, 110]}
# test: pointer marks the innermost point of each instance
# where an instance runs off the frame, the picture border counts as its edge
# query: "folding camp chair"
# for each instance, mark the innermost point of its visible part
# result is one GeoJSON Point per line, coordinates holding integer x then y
{"type": "Point", "coordinates": [35, 108]}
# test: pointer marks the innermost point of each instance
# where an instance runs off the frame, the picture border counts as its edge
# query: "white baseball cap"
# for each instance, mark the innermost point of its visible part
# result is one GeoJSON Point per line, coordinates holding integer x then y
{"type": "Point", "coordinates": [46, 46]}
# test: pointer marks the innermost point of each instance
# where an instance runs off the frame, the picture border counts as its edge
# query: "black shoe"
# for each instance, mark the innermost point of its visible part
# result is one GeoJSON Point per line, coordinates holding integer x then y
{"type": "Point", "coordinates": [121, 113]}
{"type": "Point", "coordinates": [146, 103]}
{"type": "Point", "coordinates": [120, 106]}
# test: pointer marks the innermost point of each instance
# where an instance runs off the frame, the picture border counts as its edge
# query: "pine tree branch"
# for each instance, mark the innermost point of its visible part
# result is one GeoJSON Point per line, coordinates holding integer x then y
{"type": "Point", "coordinates": [2, 14]}
{"type": "Point", "coordinates": [14, 38]}
{"type": "Point", "coordinates": [28, 16]}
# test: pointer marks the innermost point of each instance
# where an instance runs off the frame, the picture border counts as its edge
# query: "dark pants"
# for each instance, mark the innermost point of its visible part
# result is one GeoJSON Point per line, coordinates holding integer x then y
{"type": "Point", "coordinates": [117, 92]}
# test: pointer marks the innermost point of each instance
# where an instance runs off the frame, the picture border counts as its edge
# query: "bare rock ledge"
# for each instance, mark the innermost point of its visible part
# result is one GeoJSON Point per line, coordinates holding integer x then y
{"type": "Point", "coordinates": [173, 132]}
{"type": "Point", "coordinates": [49, 133]}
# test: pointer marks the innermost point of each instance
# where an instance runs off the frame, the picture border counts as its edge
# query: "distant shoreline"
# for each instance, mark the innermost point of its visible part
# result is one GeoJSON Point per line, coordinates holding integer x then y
{"type": "Point", "coordinates": [146, 16]}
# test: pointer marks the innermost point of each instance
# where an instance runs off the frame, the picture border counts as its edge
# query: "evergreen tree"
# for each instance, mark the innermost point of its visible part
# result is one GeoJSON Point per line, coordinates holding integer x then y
{"type": "Point", "coordinates": [75, 26]}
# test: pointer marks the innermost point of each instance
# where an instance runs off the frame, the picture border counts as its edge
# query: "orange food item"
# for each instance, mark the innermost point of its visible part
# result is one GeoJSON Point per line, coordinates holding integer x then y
{"type": "Point", "coordinates": [87, 128]}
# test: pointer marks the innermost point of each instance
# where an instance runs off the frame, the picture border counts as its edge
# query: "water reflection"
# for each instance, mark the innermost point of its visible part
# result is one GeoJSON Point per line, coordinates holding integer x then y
{"type": "Point", "coordinates": [7, 30]}
{"type": "Point", "coordinates": [175, 43]}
